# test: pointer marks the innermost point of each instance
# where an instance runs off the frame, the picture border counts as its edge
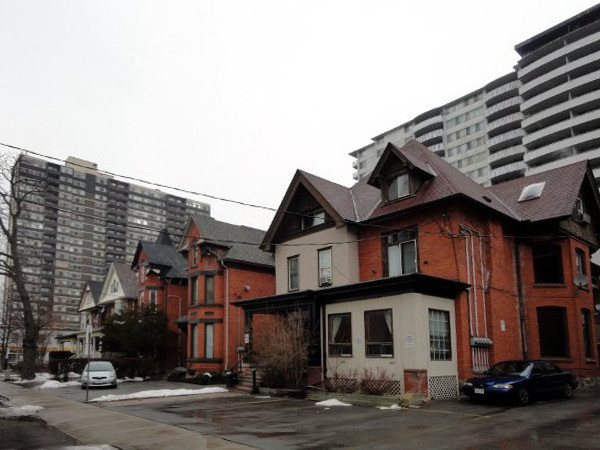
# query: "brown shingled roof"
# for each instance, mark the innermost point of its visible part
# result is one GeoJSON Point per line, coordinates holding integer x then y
{"type": "Point", "coordinates": [446, 181]}
{"type": "Point", "coordinates": [561, 189]}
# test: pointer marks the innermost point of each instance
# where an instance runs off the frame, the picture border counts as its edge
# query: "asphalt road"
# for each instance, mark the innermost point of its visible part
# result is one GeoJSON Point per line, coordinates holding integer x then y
{"type": "Point", "coordinates": [278, 423]}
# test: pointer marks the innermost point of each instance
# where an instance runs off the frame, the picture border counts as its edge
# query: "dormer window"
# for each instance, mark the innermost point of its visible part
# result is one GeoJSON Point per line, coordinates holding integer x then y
{"type": "Point", "coordinates": [398, 187]}
{"type": "Point", "coordinates": [313, 219]}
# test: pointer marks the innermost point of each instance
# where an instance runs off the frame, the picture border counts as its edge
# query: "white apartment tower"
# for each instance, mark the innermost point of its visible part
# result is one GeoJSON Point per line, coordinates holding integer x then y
{"type": "Point", "coordinates": [543, 114]}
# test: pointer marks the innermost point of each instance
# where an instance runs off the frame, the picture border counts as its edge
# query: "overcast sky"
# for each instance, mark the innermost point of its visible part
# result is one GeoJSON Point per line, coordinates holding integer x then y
{"type": "Point", "coordinates": [229, 98]}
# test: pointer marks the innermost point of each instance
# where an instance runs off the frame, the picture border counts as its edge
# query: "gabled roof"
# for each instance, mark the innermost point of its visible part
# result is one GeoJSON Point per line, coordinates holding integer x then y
{"type": "Point", "coordinates": [339, 202]}
{"type": "Point", "coordinates": [91, 294]}
{"type": "Point", "coordinates": [439, 181]}
{"type": "Point", "coordinates": [241, 241]}
{"type": "Point", "coordinates": [162, 254]}
{"type": "Point", "coordinates": [443, 182]}
{"type": "Point", "coordinates": [562, 186]}
{"type": "Point", "coordinates": [127, 282]}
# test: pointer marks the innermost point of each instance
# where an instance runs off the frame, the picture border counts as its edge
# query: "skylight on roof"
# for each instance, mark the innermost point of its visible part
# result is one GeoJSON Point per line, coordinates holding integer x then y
{"type": "Point", "coordinates": [532, 191]}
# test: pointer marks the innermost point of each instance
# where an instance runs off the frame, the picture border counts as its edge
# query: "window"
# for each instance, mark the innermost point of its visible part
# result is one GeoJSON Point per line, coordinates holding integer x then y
{"type": "Point", "coordinates": [398, 187]}
{"type": "Point", "coordinates": [439, 335]}
{"type": "Point", "coordinates": [547, 265]}
{"type": "Point", "coordinates": [293, 273]}
{"type": "Point", "coordinates": [194, 349]}
{"type": "Point", "coordinates": [194, 256]}
{"type": "Point", "coordinates": [553, 331]}
{"type": "Point", "coordinates": [194, 291]}
{"type": "Point", "coordinates": [313, 219]}
{"type": "Point", "coordinates": [152, 295]}
{"type": "Point", "coordinates": [401, 252]}
{"type": "Point", "coordinates": [340, 334]}
{"type": "Point", "coordinates": [580, 262]}
{"type": "Point", "coordinates": [586, 322]}
{"type": "Point", "coordinates": [209, 341]}
{"type": "Point", "coordinates": [378, 333]}
{"type": "Point", "coordinates": [209, 289]}
{"type": "Point", "coordinates": [325, 267]}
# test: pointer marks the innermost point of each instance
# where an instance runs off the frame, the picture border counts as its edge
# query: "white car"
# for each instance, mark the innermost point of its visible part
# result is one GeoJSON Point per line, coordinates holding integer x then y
{"type": "Point", "coordinates": [101, 374]}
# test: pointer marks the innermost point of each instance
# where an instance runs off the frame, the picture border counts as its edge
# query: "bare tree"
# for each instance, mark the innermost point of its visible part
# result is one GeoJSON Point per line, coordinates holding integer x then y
{"type": "Point", "coordinates": [282, 351]}
{"type": "Point", "coordinates": [20, 194]}
{"type": "Point", "coordinates": [7, 324]}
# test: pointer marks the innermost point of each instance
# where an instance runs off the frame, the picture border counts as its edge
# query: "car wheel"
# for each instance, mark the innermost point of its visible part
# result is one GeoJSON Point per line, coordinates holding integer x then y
{"type": "Point", "coordinates": [523, 396]}
{"type": "Point", "coordinates": [567, 391]}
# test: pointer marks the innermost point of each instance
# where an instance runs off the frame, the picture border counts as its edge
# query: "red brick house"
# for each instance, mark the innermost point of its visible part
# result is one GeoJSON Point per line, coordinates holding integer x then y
{"type": "Point", "coordinates": [421, 272]}
{"type": "Point", "coordinates": [162, 281]}
{"type": "Point", "coordinates": [224, 264]}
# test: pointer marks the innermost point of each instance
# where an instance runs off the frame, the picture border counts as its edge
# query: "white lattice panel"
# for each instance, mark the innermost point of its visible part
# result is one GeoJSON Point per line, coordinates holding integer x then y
{"type": "Point", "coordinates": [444, 386]}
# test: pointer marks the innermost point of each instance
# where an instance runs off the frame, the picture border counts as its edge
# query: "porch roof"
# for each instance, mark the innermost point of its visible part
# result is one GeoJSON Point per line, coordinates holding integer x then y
{"type": "Point", "coordinates": [416, 282]}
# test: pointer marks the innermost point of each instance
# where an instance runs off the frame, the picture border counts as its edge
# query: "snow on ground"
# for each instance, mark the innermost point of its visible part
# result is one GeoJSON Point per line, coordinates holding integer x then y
{"type": "Point", "coordinates": [39, 378]}
{"type": "Point", "coordinates": [20, 411]}
{"type": "Point", "coordinates": [89, 447]}
{"type": "Point", "coordinates": [52, 384]}
{"type": "Point", "coordinates": [390, 407]}
{"type": "Point", "coordinates": [159, 393]}
{"type": "Point", "coordinates": [332, 402]}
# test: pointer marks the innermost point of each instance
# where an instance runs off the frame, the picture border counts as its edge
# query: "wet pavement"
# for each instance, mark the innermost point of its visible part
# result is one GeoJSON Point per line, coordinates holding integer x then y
{"type": "Point", "coordinates": [236, 419]}
{"type": "Point", "coordinates": [278, 423]}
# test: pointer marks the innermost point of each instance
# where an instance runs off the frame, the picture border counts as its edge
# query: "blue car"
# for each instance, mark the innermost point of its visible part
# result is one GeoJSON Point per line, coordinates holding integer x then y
{"type": "Point", "coordinates": [520, 381]}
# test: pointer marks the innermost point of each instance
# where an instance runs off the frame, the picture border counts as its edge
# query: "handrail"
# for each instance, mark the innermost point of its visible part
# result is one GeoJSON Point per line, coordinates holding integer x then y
{"type": "Point", "coordinates": [239, 362]}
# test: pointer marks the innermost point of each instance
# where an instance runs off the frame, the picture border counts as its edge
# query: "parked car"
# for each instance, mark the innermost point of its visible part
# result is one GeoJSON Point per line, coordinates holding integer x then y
{"type": "Point", "coordinates": [99, 374]}
{"type": "Point", "coordinates": [519, 381]}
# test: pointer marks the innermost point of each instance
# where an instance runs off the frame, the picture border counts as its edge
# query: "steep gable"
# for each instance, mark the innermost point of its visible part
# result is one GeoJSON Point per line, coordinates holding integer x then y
{"type": "Point", "coordinates": [90, 295]}
{"type": "Point", "coordinates": [439, 181]}
{"type": "Point", "coordinates": [241, 242]}
{"type": "Point", "coordinates": [120, 283]}
{"type": "Point", "coordinates": [306, 195]}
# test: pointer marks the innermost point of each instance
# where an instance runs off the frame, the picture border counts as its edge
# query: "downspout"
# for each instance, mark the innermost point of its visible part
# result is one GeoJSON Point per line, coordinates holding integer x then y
{"type": "Point", "coordinates": [324, 341]}
{"type": "Point", "coordinates": [521, 302]}
{"type": "Point", "coordinates": [226, 337]}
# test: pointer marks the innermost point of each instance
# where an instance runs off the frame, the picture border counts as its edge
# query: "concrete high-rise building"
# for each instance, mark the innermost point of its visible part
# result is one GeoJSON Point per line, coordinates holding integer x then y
{"type": "Point", "coordinates": [81, 222]}
{"type": "Point", "coordinates": [543, 114]}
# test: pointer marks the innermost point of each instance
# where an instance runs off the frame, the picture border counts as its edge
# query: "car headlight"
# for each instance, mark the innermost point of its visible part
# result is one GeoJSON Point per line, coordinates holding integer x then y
{"type": "Point", "coordinates": [502, 386]}
{"type": "Point", "coordinates": [468, 383]}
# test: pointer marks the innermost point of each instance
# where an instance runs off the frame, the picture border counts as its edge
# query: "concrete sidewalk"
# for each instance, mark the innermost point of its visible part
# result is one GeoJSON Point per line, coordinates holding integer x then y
{"type": "Point", "coordinates": [91, 424]}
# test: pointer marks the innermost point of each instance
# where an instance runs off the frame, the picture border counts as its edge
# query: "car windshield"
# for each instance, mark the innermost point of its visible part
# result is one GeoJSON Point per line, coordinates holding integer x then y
{"type": "Point", "coordinates": [509, 368]}
{"type": "Point", "coordinates": [101, 365]}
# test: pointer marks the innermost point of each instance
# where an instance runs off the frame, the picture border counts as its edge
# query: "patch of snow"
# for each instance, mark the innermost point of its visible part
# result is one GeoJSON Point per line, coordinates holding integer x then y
{"type": "Point", "coordinates": [89, 447]}
{"type": "Point", "coordinates": [74, 375]}
{"type": "Point", "coordinates": [52, 384]}
{"type": "Point", "coordinates": [20, 411]}
{"type": "Point", "coordinates": [130, 380]}
{"type": "Point", "coordinates": [157, 393]}
{"type": "Point", "coordinates": [39, 378]}
{"type": "Point", "coordinates": [396, 407]}
{"type": "Point", "coordinates": [332, 402]}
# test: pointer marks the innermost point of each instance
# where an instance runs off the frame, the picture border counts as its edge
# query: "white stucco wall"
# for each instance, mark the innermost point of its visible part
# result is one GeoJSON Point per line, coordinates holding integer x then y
{"type": "Point", "coordinates": [344, 258]}
{"type": "Point", "coordinates": [410, 327]}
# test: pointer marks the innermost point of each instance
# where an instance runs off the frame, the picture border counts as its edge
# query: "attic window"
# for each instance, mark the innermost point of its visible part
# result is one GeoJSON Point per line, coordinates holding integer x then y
{"type": "Point", "coordinates": [313, 219]}
{"type": "Point", "coordinates": [398, 187]}
{"type": "Point", "coordinates": [532, 191]}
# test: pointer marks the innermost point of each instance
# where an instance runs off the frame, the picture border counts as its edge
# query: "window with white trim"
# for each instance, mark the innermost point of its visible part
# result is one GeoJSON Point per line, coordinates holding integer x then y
{"type": "Point", "coordinates": [401, 252]}
{"type": "Point", "coordinates": [325, 267]}
{"type": "Point", "coordinates": [379, 336]}
{"type": "Point", "coordinates": [439, 335]}
{"type": "Point", "coordinates": [294, 273]}
{"type": "Point", "coordinates": [340, 334]}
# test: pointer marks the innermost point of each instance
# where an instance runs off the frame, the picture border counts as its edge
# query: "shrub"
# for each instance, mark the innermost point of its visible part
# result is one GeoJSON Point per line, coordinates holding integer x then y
{"type": "Point", "coordinates": [282, 352]}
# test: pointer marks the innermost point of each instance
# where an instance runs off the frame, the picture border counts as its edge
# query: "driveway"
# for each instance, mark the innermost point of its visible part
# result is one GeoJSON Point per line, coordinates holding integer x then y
{"type": "Point", "coordinates": [280, 423]}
